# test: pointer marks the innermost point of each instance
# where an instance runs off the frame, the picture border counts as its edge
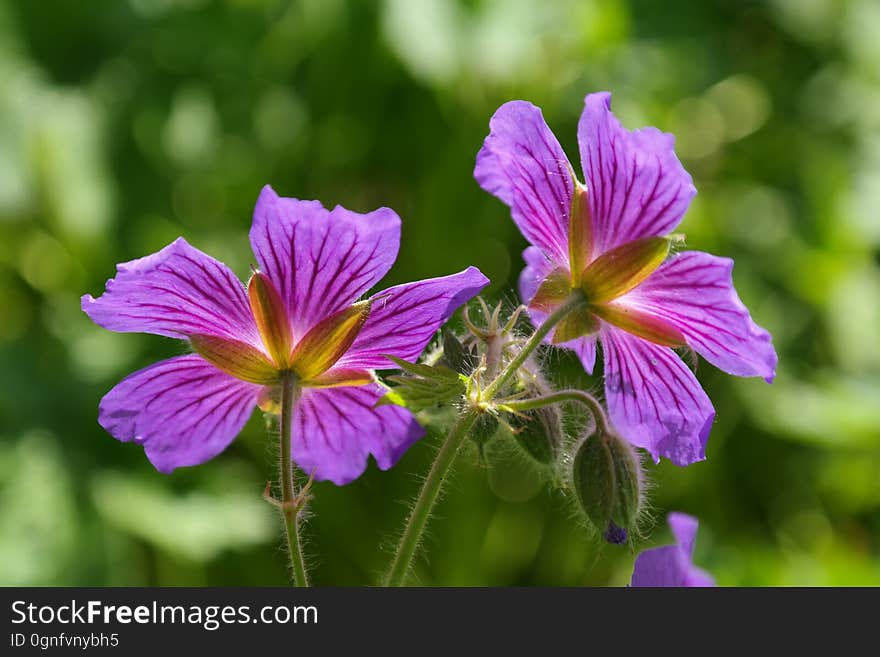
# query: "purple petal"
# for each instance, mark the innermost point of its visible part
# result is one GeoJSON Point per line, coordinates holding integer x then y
{"type": "Point", "coordinates": [336, 429]}
{"type": "Point", "coordinates": [637, 187]}
{"type": "Point", "coordinates": [585, 348]}
{"type": "Point", "coordinates": [670, 565]}
{"type": "Point", "coordinates": [404, 318]}
{"type": "Point", "coordinates": [538, 266]}
{"type": "Point", "coordinates": [522, 163]}
{"type": "Point", "coordinates": [662, 566]}
{"type": "Point", "coordinates": [684, 529]}
{"type": "Point", "coordinates": [184, 411]}
{"type": "Point", "coordinates": [694, 291]}
{"type": "Point", "coordinates": [654, 400]}
{"type": "Point", "coordinates": [319, 260]}
{"type": "Point", "coordinates": [176, 292]}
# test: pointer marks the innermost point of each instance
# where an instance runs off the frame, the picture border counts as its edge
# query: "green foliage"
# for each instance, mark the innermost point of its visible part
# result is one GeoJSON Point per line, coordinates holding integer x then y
{"type": "Point", "coordinates": [423, 386]}
{"type": "Point", "coordinates": [124, 125]}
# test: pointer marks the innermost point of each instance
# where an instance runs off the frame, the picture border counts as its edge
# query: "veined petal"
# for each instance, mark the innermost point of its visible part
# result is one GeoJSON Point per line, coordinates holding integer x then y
{"type": "Point", "coordinates": [271, 317]}
{"type": "Point", "coordinates": [176, 292]}
{"type": "Point", "coordinates": [335, 430]}
{"type": "Point", "coordinates": [619, 270]}
{"type": "Point", "coordinates": [184, 411]}
{"type": "Point", "coordinates": [321, 261]}
{"type": "Point", "coordinates": [640, 323]}
{"type": "Point", "coordinates": [405, 317]}
{"type": "Point", "coordinates": [694, 292]}
{"type": "Point", "coordinates": [328, 340]}
{"type": "Point", "coordinates": [637, 187]}
{"type": "Point", "coordinates": [522, 163]}
{"type": "Point", "coordinates": [236, 358]}
{"type": "Point", "coordinates": [654, 400]}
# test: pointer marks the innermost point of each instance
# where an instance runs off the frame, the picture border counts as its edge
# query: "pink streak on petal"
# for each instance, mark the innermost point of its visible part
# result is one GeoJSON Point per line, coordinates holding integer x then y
{"type": "Point", "coordinates": [522, 163]}
{"type": "Point", "coordinates": [654, 400]}
{"type": "Point", "coordinates": [320, 260]}
{"type": "Point", "coordinates": [694, 292]}
{"type": "Point", "coordinates": [335, 430]}
{"type": "Point", "coordinates": [403, 318]}
{"type": "Point", "coordinates": [637, 187]}
{"type": "Point", "coordinates": [176, 292]}
{"type": "Point", "coordinates": [184, 411]}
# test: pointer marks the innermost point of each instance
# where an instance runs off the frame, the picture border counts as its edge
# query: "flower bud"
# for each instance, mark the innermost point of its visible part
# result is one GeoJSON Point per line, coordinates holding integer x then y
{"type": "Point", "coordinates": [607, 480]}
{"type": "Point", "coordinates": [482, 432]}
{"type": "Point", "coordinates": [539, 433]}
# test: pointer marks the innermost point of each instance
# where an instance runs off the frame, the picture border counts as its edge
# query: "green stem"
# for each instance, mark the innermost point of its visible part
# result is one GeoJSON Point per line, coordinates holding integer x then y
{"type": "Point", "coordinates": [562, 396]}
{"type": "Point", "coordinates": [421, 511]}
{"type": "Point", "coordinates": [290, 506]}
{"type": "Point", "coordinates": [575, 301]}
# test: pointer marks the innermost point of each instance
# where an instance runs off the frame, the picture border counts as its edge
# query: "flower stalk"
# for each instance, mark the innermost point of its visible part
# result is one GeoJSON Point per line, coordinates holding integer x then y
{"type": "Point", "coordinates": [291, 503]}
{"type": "Point", "coordinates": [595, 408]}
{"type": "Point", "coordinates": [421, 511]}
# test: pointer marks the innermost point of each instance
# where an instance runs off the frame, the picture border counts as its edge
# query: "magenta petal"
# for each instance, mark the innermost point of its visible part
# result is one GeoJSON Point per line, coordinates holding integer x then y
{"type": "Point", "coordinates": [176, 292]}
{"type": "Point", "coordinates": [654, 400]}
{"type": "Point", "coordinates": [319, 260]}
{"type": "Point", "coordinates": [670, 565]}
{"type": "Point", "coordinates": [694, 291]}
{"type": "Point", "coordinates": [637, 187]}
{"type": "Point", "coordinates": [336, 429]}
{"type": "Point", "coordinates": [522, 163]}
{"type": "Point", "coordinates": [184, 411]}
{"type": "Point", "coordinates": [404, 318]}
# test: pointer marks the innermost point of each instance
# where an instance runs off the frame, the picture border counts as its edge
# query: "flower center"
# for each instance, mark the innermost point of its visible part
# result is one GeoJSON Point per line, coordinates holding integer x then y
{"type": "Point", "coordinates": [604, 280]}
{"type": "Point", "coordinates": [310, 359]}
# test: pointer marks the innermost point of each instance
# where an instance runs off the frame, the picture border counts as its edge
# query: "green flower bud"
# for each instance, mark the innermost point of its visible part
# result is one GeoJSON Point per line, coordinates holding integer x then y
{"type": "Point", "coordinates": [482, 432]}
{"type": "Point", "coordinates": [539, 433]}
{"type": "Point", "coordinates": [607, 480]}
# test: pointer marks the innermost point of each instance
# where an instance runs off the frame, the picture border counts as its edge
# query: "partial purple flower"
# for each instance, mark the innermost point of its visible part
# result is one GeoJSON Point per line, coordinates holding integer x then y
{"type": "Point", "coordinates": [298, 313]}
{"type": "Point", "coordinates": [609, 239]}
{"type": "Point", "coordinates": [671, 565]}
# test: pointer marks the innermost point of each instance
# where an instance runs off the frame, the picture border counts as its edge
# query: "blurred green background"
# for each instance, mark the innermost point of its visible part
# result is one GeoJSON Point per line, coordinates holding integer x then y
{"type": "Point", "coordinates": [124, 124]}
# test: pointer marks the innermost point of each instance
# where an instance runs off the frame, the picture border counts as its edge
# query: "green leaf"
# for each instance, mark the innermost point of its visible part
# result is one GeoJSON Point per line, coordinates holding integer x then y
{"type": "Point", "coordinates": [455, 356]}
{"type": "Point", "coordinates": [423, 386]}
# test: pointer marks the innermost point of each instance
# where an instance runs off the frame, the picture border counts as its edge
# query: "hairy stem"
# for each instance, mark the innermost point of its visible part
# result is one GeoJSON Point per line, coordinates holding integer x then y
{"type": "Point", "coordinates": [290, 505]}
{"type": "Point", "coordinates": [421, 511]}
{"type": "Point", "coordinates": [576, 301]}
{"type": "Point", "coordinates": [580, 396]}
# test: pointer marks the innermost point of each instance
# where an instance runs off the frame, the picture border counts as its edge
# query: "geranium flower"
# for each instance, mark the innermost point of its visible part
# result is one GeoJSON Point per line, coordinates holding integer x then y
{"type": "Point", "coordinates": [671, 565]}
{"type": "Point", "coordinates": [298, 313]}
{"type": "Point", "coordinates": [609, 239]}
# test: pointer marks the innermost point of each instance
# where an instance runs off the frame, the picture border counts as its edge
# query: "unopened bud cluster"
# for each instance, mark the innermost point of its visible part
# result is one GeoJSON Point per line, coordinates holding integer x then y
{"type": "Point", "coordinates": [601, 471]}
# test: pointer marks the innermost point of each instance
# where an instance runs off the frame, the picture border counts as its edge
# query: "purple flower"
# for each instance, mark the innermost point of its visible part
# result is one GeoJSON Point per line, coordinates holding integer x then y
{"type": "Point", "coordinates": [298, 313]}
{"type": "Point", "coordinates": [671, 565]}
{"type": "Point", "coordinates": [609, 239]}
